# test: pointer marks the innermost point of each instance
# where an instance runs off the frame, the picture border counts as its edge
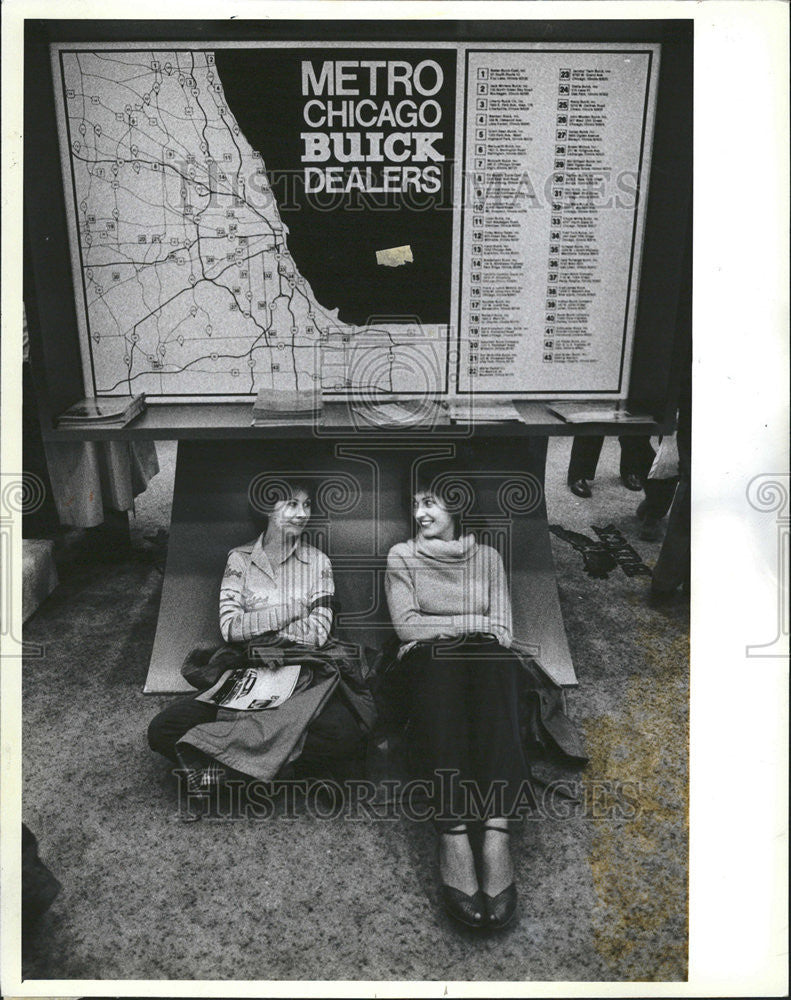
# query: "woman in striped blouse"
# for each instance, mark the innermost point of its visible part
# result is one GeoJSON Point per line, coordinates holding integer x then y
{"type": "Point", "coordinates": [278, 584]}
{"type": "Point", "coordinates": [276, 587]}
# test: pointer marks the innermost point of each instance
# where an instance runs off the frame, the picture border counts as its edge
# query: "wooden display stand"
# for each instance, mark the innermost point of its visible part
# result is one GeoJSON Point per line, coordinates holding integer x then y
{"type": "Point", "coordinates": [361, 480]}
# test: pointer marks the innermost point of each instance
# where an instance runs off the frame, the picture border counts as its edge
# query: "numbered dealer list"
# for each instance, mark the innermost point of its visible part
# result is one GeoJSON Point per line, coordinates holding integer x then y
{"type": "Point", "coordinates": [555, 143]}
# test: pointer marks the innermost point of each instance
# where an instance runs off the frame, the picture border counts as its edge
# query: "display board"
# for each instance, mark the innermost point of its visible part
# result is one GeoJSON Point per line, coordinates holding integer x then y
{"type": "Point", "coordinates": [372, 218]}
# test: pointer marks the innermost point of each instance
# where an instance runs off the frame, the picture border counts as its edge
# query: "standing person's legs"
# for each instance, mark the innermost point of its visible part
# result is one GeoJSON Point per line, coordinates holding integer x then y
{"type": "Point", "coordinates": [658, 498]}
{"type": "Point", "coordinates": [637, 457]}
{"type": "Point", "coordinates": [584, 458]}
{"type": "Point", "coordinates": [672, 566]}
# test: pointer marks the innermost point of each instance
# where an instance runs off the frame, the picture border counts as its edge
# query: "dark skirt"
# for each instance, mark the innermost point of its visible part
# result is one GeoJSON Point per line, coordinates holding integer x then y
{"type": "Point", "coordinates": [463, 730]}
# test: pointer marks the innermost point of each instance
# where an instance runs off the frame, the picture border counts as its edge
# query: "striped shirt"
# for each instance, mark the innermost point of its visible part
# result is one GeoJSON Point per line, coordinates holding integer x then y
{"type": "Point", "coordinates": [290, 598]}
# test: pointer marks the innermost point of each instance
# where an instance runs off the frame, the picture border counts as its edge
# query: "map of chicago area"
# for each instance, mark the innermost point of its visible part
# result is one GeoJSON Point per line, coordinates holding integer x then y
{"type": "Point", "coordinates": [190, 282]}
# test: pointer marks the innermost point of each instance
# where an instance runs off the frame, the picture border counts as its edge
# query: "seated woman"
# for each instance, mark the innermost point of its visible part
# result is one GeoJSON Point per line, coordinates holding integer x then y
{"type": "Point", "coordinates": [276, 591]}
{"type": "Point", "coordinates": [450, 607]}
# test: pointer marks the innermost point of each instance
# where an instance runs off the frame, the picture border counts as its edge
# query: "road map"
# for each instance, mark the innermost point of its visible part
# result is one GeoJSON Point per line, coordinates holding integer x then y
{"type": "Point", "coordinates": [184, 279]}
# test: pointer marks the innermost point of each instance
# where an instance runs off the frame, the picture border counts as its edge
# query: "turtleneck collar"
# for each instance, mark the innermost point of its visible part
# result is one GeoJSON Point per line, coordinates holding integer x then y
{"type": "Point", "coordinates": [457, 550]}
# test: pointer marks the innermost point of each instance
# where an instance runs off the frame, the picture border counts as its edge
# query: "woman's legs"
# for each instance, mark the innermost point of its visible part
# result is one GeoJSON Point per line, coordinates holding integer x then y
{"type": "Point", "coordinates": [465, 718]}
{"type": "Point", "coordinates": [334, 744]}
{"type": "Point", "coordinates": [201, 771]}
{"type": "Point", "coordinates": [439, 733]}
{"type": "Point", "coordinates": [456, 860]}
{"type": "Point", "coordinates": [167, 728]}
{"type": "Point", "coordinates": [438, 726]}
{"type": "Point", "coordinates": [496, 864]}
{"type": "Point", "coordinates": [499, 773]}
{"type": "Point", "coordinates": [499, 768]}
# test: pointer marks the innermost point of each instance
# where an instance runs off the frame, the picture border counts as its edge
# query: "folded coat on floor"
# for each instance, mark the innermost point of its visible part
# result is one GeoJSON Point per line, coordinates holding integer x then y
{"type": "Point", "coordinates": [545, 728]}
{"type": "Point", "coordinates": [260, 743]}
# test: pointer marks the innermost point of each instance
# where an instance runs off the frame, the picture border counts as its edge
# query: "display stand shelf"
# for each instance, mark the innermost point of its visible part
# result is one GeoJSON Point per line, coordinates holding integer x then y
{"type": "Point", "coordinates": [206, 421]}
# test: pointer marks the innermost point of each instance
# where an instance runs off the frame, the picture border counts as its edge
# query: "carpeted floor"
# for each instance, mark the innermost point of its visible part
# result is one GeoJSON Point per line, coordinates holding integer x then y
{"type": "Point", "coordinates": [603, 883]}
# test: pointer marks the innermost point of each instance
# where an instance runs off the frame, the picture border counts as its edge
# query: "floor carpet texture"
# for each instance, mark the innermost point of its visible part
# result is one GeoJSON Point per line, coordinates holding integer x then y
{"type": "Point", "coordinates": [601, 867]}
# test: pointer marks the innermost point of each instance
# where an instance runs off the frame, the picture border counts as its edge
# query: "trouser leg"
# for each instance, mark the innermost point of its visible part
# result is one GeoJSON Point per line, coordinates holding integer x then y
{"type": "Point", "coordinates": [658, 497]}
{"type": "Point", "coordinates": [637, 455]}
{"type": "Point", "coordinates": [464, 722]}
{"type": "Point", "coordinates": [167, 728]}
{"type": "Point", "coordinates": [672, 566]}
{"type": "Point", "coordinates": [334, 745]}
{"type": "Point", "coordinates": [584, 458]}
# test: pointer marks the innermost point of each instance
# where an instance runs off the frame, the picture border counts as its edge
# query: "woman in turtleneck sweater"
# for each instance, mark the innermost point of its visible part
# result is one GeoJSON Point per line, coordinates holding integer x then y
{"type": "Point", "coordinates": [449, 604]}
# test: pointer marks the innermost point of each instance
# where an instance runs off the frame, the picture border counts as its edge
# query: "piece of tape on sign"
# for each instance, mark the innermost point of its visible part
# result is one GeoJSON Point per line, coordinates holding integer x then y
{"type": "Point", "coordinates": [395, 256]}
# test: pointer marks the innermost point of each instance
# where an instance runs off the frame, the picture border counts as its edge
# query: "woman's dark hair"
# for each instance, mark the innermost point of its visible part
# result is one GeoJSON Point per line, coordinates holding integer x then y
{"type": "Point", "coordinates": [453, 490]}
{"type": "Point", "coordinates": [266, 490]}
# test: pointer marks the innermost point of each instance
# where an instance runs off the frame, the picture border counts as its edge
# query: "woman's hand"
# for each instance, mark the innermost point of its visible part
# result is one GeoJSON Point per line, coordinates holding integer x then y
{"type": "Point", "coordinates": [292, 610]}
{"type": "Point", "coordinates": [482, 625]}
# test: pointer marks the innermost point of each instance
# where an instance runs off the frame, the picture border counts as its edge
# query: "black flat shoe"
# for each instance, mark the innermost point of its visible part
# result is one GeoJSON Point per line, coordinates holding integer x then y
{"type": "Point", "coordinates": [580, 488]}
{"type": "Point", "coordinates": [651, 530]}
{"type": "Point", "coordinates": [467, 908]}
{"type": "Point", "coordinates": [659, 598]}
{"type": "Point", "coordinates": [500, 909]}
{"type": "Point", "coordinates": [632, 482]}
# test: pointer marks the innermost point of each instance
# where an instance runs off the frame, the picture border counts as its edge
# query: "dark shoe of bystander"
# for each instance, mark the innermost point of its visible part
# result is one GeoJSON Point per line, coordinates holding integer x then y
{"type": "Point", "coordinates": [581, 488]}
{"type": "Point", "coordinates": [632, 482]}
{"type": "Point", "coordinates": [651, 530]}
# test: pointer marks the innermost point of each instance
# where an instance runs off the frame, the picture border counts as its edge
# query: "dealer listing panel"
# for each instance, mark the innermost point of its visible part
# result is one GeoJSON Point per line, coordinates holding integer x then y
{"type": "Point", "coordinates": [557, 144]}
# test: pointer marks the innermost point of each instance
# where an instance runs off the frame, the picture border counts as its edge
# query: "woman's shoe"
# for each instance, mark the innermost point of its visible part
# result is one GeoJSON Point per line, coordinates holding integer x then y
{"type": "Point", "coordinates": [467, 908]}
{"type": "Point", "coordinates": [500, 909]}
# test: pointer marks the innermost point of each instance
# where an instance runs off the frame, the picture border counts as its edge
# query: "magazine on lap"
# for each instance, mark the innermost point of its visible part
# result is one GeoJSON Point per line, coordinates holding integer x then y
{"type": "Point", "coordinates": [253, 688]}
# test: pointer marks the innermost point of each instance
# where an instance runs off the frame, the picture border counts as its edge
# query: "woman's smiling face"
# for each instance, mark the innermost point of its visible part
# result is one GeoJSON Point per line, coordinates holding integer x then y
{"type": "Point", "coordinates": [290, 516]}
{"type": "Point", "coordinates": [432, 517]}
